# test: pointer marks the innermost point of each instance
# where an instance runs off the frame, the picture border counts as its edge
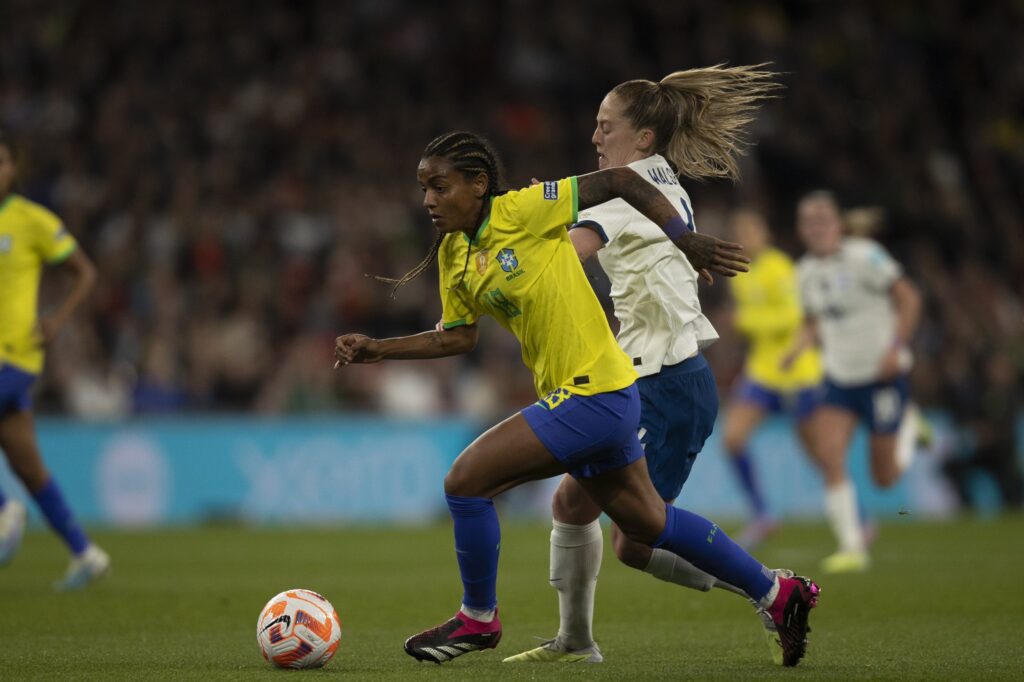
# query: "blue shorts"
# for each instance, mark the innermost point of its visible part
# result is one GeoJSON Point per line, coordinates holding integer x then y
{"type": "Point", "coordinates": [800, 404]}
{"type": "Point", "coordinates": [589, 434]}
{"type": "Point", "coordinates": [679, 408]}
{"type": "Point", "coordinates": [880, 404]}
{"type": "Point", "coordinates": [15, 389]}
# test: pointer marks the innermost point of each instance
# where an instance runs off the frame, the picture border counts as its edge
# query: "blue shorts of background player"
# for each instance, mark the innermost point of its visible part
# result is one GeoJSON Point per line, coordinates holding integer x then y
{"type": "Point", "coordinates": [880, 404]}
{"type": "Point", "coordinates": [677, 412]}
{"type": "Point", "coordinates": [800, 404]}
{"type": "Point", "coordinates": [15, 389]}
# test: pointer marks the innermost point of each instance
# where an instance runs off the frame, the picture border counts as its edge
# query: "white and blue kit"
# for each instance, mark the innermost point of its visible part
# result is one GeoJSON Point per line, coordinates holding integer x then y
{"type": "Point", "coordinates": [848, 293]}
{"type": "Point", "coordinates": [654, 291]}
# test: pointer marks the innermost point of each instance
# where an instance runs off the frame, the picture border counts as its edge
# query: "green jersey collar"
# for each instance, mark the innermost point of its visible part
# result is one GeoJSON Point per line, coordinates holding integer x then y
{"type": "Point", "coordinates": [483, 226]}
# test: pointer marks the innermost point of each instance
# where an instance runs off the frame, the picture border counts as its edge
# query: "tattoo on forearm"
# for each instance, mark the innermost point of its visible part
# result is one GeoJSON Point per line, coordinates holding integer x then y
{"type": "Point", "coordinates": [625, 183]}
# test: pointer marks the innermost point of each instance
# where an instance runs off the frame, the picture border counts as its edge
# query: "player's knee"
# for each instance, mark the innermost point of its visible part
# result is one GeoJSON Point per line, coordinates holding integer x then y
{"type": "Point", "coordinates": [633, 554]}
{"type": "Point", "coordinates": [884, 470]}
{"type": "Point", "coordinates": [459, 481]}
{"type": "Point", "coordinates": [642, 529]}
{"type": "Point", "coordinates": [30, 471]}
{"type": "Point", "coordinates": [886, 477]}
{"type": "Point", "coordinates": [733, 442]}
{"type": "Point", "coordinates": [570, 505]}
{"type": "Point", "coordinates": [561, 506]}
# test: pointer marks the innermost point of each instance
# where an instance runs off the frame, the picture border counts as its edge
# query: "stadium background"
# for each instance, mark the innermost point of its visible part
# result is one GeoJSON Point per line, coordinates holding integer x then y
{"type": "Point", "coordinates": [235, 167]}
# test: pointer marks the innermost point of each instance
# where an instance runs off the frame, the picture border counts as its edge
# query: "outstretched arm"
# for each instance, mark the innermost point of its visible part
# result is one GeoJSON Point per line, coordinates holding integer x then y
{"type": "Point", "coordinates": [357, 348]}
{"type": "Point", "coordinates": [706, 254]}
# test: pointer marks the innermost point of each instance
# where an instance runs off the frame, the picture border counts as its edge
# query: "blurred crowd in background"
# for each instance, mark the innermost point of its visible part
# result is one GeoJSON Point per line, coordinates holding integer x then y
{"type": "Point", "coordinates": [235, 167]}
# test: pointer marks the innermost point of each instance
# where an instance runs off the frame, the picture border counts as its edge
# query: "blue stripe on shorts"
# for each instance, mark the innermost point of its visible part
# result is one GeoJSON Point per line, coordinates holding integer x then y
{"type": "Point", "coordinates": [589, 434]}
{"type": "Point", "coordinates": [15, 389]}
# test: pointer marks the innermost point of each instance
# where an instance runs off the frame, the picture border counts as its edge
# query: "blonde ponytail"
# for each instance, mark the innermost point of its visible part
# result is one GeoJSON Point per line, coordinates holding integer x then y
{"type": "Point", "coordinates": [699, 116]}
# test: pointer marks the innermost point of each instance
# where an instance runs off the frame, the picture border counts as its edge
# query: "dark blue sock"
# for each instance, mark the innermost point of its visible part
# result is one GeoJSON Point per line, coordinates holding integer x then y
{"type": "Point", "coordinates": [745, 471]}
{"type": "Point", "coordinates": [477, 541]}
{"type": "Point", "coordinates": [51, 503]}
{"type": "Point", "coordinates": [707, 547]}
{"type": "Point", "coordinates": [3, 498]}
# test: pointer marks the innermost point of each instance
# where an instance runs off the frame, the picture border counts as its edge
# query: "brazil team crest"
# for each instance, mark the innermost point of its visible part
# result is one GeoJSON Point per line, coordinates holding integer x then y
{"type": "Point", "coordinates": [507, 259]}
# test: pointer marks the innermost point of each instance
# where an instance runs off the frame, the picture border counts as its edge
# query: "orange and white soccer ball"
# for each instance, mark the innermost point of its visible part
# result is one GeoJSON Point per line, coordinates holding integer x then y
{"type": "Point", "coordinates": [298, 629]}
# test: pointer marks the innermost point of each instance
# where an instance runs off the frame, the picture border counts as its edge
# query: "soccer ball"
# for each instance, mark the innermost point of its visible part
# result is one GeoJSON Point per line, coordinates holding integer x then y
{"type": "Point", "coordinates": [298, 629]}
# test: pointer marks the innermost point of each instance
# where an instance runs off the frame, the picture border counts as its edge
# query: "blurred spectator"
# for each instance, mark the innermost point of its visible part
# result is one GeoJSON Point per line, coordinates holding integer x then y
{"type": "Point", "coordinates": [236, 167]}
{"type": "Point", "coordinates": [985, 404]}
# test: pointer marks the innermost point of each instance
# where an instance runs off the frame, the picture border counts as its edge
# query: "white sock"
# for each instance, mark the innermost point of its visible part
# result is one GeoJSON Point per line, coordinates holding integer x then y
{"type": "Point", "coordinates": [482, 615]}
{"type": "Point", "coordinates": [841, 509]}
{"type": "Point", "coordinates": [906, 438]}
{"type": "Point", "coordinates": [575, 562]}
{"type": "Point", "coordinates": [665, 565]}
{"type": "Point", "coordinates": [769, 599]}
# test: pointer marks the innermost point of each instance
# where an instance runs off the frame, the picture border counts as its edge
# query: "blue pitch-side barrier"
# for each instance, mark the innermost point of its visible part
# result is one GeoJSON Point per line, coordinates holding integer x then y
{"type": "Point", "coordinates": [190, 470]}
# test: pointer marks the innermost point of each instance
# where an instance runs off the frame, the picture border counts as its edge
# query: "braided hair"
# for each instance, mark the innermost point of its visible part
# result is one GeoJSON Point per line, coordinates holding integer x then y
{"type": "Point", "coordinates": [470, 154]}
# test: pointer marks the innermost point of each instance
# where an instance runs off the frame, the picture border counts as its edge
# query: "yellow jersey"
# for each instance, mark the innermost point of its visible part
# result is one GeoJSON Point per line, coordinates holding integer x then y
{"type": "Point", "coordinates": [769, 315]}
{"type": "Point", "coordinates": [523, 271]}
{"type": "Point", "coordinates": [30, 237]}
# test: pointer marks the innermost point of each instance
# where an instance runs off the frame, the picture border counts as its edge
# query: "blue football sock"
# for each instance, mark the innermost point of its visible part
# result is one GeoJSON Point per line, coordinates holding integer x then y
{"type": "Point", "coordinates": [477, 541]}
{"type": "Point", "coordinates": [51, 503]}
{"type": "Point", "coordinates": [3, 498]}
{"type": "Point", "coordinates": [707, 547]}
{"type": "Point", "coordinates": [745, 471]}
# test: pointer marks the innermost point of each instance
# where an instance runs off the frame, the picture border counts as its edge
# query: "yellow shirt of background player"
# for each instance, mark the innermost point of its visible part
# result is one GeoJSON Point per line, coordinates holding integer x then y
{"type": "Point", "coordinates": [524, 272]}
{"type": "Point", "coordinates": [30, 237]}
{"type": "Point", "coordinates": [769, 315]}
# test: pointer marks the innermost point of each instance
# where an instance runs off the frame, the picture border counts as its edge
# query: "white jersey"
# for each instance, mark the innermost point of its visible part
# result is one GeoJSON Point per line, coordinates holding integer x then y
{"type": "Point", "coordinates": [848, 293]}
{"type": "Point", "coordinates": [654, 287]}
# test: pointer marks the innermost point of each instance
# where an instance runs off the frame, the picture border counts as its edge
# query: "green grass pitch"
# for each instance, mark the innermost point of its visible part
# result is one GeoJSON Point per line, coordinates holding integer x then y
{"type": "Point", "coordinates": [944, 601]}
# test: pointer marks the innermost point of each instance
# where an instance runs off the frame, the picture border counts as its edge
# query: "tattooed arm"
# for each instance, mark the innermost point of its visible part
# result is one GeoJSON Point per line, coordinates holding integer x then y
{"type": "Point", "coordinates": [357, 348]}
{"type": "Point", "coordinates": [706, 254]}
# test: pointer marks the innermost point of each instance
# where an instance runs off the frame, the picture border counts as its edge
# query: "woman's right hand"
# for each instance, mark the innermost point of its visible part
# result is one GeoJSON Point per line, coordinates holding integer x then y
{"type": "Point", "coordinates": [357, 348]}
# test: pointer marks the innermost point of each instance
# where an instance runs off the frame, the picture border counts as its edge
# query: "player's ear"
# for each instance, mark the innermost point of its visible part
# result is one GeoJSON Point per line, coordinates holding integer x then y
{"type": "Point", "coordinates": [645, 140]}
{"type": "Point", "coordinates": [480, 184]}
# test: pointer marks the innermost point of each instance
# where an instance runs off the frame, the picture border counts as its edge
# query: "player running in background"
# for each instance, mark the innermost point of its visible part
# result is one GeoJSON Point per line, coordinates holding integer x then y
{"type": "Point", "coordinates": [508, 255]}
{"type": "Point", "coordinates": [654, 291]}
{"type": "Point", "coordinates": [863, 311]}
{"type": "Point", "coordinates": [769, 316]}
{"type": "Point", "coordinates": [30, 237]}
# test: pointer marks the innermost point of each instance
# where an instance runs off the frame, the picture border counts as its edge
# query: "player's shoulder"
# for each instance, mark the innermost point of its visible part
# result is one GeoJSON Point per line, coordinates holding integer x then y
{"type": "Point", "coordinates": [864, 249]}
{"type": "Point", "coordinates": [25, 205]}
{"type": "Point", "coordinates": [807, 263]}
{"type": "Point", "coordinates": [775, 259]}
{"type": "Point", "coordinates": [31, 213]}
{"type": "Point", "coordinates": [656, 170]}
{"type": "Point", "coordinates": [506, 203]}
{"type": "Point", "coordinates": [861, 245]}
